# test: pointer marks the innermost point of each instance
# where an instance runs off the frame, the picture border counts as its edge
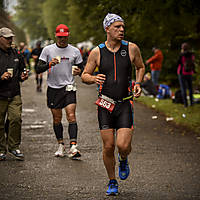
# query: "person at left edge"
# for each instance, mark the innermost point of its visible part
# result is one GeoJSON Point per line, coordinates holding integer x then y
{"type": "Point", "coordinates": [58, 59]}
{"type": "Point", "coordinates": [11, 74]}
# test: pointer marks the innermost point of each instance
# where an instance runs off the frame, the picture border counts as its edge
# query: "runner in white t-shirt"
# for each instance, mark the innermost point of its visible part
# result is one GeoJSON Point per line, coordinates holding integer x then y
{"type": "Point", "coordinates": [58, 59]}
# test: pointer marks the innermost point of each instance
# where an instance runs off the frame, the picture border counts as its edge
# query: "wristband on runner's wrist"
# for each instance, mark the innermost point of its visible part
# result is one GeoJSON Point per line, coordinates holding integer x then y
{"type": "Point", "coordinates": [137, 83]}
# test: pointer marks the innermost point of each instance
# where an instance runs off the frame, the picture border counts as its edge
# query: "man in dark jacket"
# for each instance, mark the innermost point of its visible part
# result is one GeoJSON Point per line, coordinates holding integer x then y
{"type": "Point", "coordinates": [11, 73]}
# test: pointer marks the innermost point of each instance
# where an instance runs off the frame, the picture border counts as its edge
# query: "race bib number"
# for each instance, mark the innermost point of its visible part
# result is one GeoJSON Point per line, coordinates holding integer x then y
{"type": "Point", "coordinates": [105, 104]}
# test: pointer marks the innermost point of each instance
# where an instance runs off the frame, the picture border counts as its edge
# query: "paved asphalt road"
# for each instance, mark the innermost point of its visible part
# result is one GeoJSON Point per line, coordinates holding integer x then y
{"type": "Point", "coordinates": [165, 161]}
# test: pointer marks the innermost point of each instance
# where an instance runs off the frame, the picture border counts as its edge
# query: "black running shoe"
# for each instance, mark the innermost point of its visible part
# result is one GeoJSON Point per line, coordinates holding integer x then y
{"type": "Point", "coordinates": [16, 154]}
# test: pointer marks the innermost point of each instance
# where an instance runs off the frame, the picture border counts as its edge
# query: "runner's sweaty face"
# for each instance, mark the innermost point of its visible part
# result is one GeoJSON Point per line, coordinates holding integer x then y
{"type": "Point", "coordinates": [116, 30]}
{"type": "Point", "coordinates": [62, 41]}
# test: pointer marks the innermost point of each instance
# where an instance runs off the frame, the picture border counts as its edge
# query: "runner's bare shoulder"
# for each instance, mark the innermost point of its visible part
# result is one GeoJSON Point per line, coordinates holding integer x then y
{"type": "Point", "coordinates": [134, 51]}
{"type": "Point", "coordinates": [94, 56]}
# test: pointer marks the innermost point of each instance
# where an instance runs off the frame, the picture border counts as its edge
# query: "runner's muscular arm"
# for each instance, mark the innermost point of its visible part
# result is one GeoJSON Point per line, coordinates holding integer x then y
{"type": "Point", "coordinates": [93, 62]}
{"type": "Point", "coordinates": [136, 59]}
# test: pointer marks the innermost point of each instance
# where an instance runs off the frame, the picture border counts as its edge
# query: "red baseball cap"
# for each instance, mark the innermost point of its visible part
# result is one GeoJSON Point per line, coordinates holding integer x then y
{"type": "Point", "coordinates": [62, 30]}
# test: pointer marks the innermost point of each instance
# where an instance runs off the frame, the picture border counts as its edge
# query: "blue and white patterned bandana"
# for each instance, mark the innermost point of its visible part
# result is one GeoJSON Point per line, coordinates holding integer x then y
{"type": "Point", "coordinates": [111, 18]}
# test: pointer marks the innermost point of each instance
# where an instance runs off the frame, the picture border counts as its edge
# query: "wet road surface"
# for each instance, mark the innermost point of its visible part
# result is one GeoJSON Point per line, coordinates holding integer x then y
{"type": "Point", "coordinates": [165, 162]}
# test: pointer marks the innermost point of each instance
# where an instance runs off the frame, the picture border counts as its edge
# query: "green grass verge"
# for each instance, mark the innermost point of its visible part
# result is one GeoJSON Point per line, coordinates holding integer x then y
{"type": "Point", "coordinates": [188, 117]}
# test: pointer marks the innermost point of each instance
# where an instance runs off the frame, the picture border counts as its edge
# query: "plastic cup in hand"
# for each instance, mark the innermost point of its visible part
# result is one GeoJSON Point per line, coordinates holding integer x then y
{"type": "Point", "coordinates": [73, 69]}
{"type": "Point", "coordinates": [59, 58]}
{"type": "Point", "coordinates": [10, 70]}
{"type": "Point", "coordinates": [26, 71]}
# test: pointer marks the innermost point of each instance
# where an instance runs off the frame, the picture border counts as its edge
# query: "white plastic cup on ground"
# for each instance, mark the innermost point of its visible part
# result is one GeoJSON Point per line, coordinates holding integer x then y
{"type": "Point", "coordinates": [154, 117]}
{"type": "Point", "coordinates": [184, 115]}
{"type": "Point", "coordinates": [10, 70]}
{"type": "Point", "coordinates": [169, 119]}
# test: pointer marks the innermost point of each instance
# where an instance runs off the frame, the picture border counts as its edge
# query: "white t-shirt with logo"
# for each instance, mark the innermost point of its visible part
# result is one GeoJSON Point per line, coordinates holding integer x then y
{"type": "Point", "coordinates": [60, 75]}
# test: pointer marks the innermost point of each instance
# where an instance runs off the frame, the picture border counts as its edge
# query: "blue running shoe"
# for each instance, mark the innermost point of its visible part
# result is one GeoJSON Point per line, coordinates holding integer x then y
{"type": "Point", "coordinates": [112, 188]}
{"type": "Point", "coordinates": [123, 168]}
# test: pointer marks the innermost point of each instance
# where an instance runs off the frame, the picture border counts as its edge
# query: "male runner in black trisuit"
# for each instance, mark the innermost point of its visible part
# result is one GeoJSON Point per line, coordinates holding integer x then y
{"type": "Point", "coordinates": [115, 59]}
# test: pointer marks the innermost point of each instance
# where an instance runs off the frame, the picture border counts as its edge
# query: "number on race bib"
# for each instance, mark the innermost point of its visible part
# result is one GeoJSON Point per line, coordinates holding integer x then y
{"type": "Point", "coordinates": [105, 104]}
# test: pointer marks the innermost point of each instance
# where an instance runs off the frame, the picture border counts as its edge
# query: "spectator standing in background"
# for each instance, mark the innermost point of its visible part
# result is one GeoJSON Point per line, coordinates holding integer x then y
{"type": "Point", "coordinates": [186, 69]}
{"type": "Point", "coordinates": [155, 64]}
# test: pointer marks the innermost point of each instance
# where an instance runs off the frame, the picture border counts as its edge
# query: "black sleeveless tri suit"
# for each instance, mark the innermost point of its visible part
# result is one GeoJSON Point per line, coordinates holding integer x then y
{"type": "Point", "coordinates": [118, 70]}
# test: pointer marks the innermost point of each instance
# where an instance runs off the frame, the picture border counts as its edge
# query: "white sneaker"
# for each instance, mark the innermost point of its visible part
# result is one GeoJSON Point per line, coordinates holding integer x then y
{"type": "Point", "coordinates": [74, 152]}
{"type": "Point", "coordinates": [61, 151]}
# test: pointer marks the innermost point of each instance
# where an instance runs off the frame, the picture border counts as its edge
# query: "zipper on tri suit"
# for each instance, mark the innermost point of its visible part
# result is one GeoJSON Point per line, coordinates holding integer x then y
{"type": "Point", "coordinates": [115, 68]}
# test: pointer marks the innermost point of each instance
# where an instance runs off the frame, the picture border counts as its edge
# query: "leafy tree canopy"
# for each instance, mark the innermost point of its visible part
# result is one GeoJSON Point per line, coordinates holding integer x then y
{"type": "Point", "coordinates": [148, 23]}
